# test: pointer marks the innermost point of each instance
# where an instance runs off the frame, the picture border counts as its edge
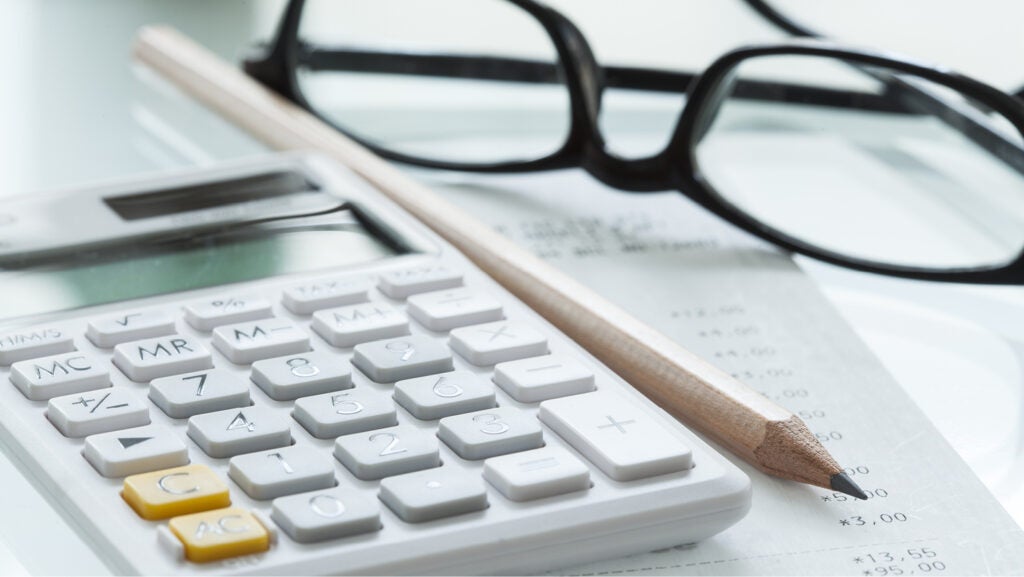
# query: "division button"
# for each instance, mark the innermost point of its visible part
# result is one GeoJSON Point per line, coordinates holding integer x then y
{"type": "Point", "coordinates": [329, 514]}
{"type": "Point", "coordinates": [237, 431]}
{"type": "Point", "coordinates": [487, 344]}
{"type": "Point", "coordinates": [178, 491]}
{"type": "Point", "coordinates": [623, 440]}
{"type": "Point", "coordinates": [150, 359]}
{"type": "Point", "coordinates": [537, 474]}
{"type": "Point", "coordinates": [69, 373]}
{"type": "Point", "coordinates": [220, 534]}
{"type": "Point", "coordinates": [83, 414]}
{"type": "Point", "coordinates": [433, 494]}
{"type": "Point", "coordinates": [283, 471]}
{"type": "Point", "coordinates": [182, 396]}
{"type": "Point", "coordinates": [133, 451]}
{"type": "Point", "coordinates": [33, 343]}
{"type": "Point", "coordinates": [122, 328]}
{"type": "Point", "coordinates": [444, 310]}
{"type": "Point", "coordinates": [252, 341]}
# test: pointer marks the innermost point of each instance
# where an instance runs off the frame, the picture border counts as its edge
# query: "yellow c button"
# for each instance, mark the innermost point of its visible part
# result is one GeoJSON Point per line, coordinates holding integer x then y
{"type": "Point", "coordinates": [177, 491]}
{"type": "Point", "coordinates": [219, 534]}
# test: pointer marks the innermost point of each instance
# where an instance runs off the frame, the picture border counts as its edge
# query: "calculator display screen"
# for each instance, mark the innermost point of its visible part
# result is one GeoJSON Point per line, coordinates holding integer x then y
{"type": "Point", "coordinates": [133, 270]}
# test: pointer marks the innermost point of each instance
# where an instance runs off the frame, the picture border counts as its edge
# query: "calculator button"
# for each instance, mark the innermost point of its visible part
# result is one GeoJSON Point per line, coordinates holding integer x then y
{"type": "Point", "coordinates": [134, 451]}
{"type": "Point", "coordinates": [322, 515]}
{"type": "Point", "coordinates": [237, 431]}
{"type": "Point", "coordinates": [349, 326]}
{"type": "Point", "coordinates": [219, 534]}
{"type": "Point", "coordinates": [437, 396]}
{"type": "Point", "coordinates": [490, 433]}
{"type": "Point", "coordinates": [543, 378]}
{"type": "Point", "coordinates": [306, 298]}
{"type": "Point", "coordinates": [208, 314]}
{"type": "Point", "coordinates": [444, 310]}
{"type": "Point", "coordinates": [402, 358]}
{"type": "Point", "coordinates": [110, 331]}
{"type": "Point", "coordinates": [491, 343]}
{"type": "Point", "coordinates": [400, 284]}
{"type": "Point", "coordinates": [281, 472]}
{"type": "Point", "coordinates": [332, 415]}
{"type": "Point", "coordinates": [161, 357]}
{"type": "Point", "coordinates": [81, 415]}
{"type": "Point", "coordinates": [434, 494]}
{"type": "Point", "coordinates": [248, 342]}
{"type": "Point", "coordinates": [387, 452]}
{"type": "Point", "coordinates": [182, 396]}
{"type": "Point", "coordinates": [33, 343]}
{"type": "Point", "coordinates": [178, 491]}
{"type": "Point", "coordinates": [43, 379]}
{"type": "Point", "coordinates": [301, 375]}
{"type": "Point", "coordinates": [616, 435]}
{"type": "Point", "coordinates": [537, 474]}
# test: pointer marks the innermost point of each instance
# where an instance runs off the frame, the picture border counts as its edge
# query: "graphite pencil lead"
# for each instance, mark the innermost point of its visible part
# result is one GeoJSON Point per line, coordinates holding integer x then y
{"type": "Point", "coordinates": [841, 482]}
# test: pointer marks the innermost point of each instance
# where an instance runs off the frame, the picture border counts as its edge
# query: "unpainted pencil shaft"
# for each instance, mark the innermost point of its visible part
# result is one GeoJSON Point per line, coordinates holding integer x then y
{"type": "Point", "coordinates": [693, 390]}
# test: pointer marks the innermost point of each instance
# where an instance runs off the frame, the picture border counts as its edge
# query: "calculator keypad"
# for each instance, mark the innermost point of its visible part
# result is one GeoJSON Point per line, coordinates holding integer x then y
{"type": "Point", "coordinates": [384, 402]}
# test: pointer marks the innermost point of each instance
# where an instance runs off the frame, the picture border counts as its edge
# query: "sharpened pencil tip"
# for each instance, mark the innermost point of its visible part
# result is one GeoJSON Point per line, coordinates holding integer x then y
{"type": "Point", "coordinates": [841, 482]}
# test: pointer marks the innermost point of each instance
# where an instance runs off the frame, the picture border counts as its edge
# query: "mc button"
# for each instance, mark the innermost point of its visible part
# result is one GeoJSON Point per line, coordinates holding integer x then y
{"type": "Point", "coordinates": [173, 492]}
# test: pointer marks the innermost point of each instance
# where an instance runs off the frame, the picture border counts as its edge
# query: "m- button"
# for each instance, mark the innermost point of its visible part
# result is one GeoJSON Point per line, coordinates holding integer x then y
{"type": "Point", "coordinates": [172, 492]}
{"type": "Point", "coordinates": [161, 357]}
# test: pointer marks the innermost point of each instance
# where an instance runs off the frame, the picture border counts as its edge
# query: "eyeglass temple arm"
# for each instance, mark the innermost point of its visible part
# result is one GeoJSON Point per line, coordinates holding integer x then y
{"type": "Point", "coordinates": [536, 72]}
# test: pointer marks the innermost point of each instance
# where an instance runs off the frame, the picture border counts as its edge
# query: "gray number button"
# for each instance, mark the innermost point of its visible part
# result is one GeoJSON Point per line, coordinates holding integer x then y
{"type": "Point", "coordinates": [237, 431]}
{"type": "Point", "coordinates": [433, 494]}
{"type": "Point", "coordinates": [283, 471]}
{"type": "Point", "coordinates": [437, 396]}
{"type": "Point", "coordinates": [402, 358]}
{"type": "Point", "coordinates": [490, 433]}
{"type": "Point", "coordinates": [182, 396]}
{"type": "Point", "coordinates": [387, 452]}
{"type": "Point", "coordinates": [288, 378]}
{"type": "Point", "coordinates": [342, 413]}
{"type": "Point", "coordinates": [323, 515]}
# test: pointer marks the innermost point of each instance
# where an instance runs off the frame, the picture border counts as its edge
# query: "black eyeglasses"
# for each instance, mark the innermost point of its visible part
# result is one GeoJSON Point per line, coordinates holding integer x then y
{"type": "Point", "coordinates": [848, 156]}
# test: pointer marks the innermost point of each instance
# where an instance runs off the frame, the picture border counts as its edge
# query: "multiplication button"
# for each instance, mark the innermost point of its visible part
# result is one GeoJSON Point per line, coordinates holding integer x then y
{"type": "Point", "coordinates": [44, 379]}
{"type": "Point", "coordinates": [161, 357]}
{"type": "Point", "coordinates": [487, 344]}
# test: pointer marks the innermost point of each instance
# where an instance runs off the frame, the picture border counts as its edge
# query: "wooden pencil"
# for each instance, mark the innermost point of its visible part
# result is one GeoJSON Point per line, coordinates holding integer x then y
{"type": "Point", "coordinates": [705, 398]}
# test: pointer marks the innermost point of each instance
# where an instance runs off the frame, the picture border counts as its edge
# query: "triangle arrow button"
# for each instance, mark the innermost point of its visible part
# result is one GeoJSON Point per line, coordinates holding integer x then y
{"type": "Point", "coordinates": [132, 441]}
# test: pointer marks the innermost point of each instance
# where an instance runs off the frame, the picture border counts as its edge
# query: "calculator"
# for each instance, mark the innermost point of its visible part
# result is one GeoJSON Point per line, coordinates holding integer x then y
{"type": "Point", "coordinates": [267, 367]}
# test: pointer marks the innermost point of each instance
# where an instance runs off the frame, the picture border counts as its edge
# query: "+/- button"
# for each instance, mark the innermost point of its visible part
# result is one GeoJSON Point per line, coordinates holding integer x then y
{"type": "Point", "coordinates": [173, 492]}
{"type": "Point", "coordinates": [219, 534]}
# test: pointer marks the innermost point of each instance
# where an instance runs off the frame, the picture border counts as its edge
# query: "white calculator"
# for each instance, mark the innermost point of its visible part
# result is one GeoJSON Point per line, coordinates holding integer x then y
{"type": "Point", "coordinates": [269, 368]}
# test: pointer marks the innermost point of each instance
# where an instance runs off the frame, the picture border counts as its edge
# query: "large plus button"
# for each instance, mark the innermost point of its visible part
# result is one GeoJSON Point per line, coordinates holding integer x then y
{"type": "Point", "coordinates": [617, 424]}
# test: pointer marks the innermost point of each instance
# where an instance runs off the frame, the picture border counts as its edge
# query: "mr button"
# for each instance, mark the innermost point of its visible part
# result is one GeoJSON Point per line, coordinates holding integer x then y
{"type": "Point", "coordinates": [173, 492]}
{"type": "Point", "coordinates": [220, 534]}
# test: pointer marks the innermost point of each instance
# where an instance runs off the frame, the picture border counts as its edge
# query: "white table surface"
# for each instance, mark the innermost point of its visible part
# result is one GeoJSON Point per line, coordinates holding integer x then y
{"type": "Point", "coordinates": [73, 110]}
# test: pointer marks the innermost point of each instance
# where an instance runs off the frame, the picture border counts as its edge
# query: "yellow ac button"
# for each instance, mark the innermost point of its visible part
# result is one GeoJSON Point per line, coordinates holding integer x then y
{"type": "Point", "coordinates": [219, 534]}
{"type": "Point", "coordinates": [174, 492]}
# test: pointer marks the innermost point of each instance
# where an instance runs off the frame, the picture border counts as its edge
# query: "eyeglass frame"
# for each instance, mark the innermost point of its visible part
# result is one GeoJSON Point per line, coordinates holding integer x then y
{"type": "Point", "coordinates": [676, 166]}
